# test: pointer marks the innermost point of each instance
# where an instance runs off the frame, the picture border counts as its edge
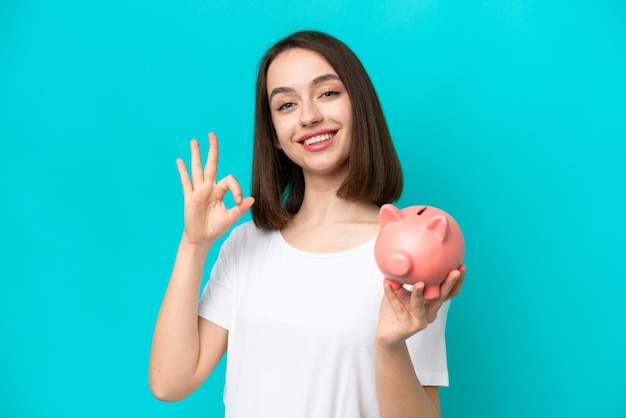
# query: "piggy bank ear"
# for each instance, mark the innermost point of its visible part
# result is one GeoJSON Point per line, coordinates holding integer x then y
{"type": "Point", "coordinates": [439, 225]}
{"type": "Point", "coordinates": [389, 213]}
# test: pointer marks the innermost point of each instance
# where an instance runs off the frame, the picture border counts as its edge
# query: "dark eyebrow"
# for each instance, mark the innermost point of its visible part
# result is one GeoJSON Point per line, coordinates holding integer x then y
{"type": "Point", "coordinates": [325, 77]}
{"type": "Point", "coordinates": [278, 90]}
{"type": "Point", "coordinates": [316, 80]}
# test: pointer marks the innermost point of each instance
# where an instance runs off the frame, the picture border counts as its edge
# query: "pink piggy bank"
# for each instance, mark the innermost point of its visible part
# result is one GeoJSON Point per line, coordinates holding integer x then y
{"type": "Point", "coordinates": [418, 244]}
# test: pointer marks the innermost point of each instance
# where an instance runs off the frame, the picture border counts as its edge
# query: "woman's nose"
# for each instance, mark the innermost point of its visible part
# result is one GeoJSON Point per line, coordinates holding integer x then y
{"type": "Point", "coordinates": [310, 114]}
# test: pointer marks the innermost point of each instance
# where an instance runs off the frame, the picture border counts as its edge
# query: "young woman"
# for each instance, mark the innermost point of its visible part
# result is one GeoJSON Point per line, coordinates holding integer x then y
{"type": "Point", "coordinates": [295, 297]}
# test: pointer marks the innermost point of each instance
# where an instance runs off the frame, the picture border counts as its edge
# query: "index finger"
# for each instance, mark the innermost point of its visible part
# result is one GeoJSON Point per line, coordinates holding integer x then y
{"type": "Point", "coordinates": [210, 170]}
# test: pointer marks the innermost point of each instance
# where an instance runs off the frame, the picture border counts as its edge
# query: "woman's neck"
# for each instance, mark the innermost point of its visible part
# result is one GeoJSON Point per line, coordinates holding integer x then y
{"type": "Point", "coordinates": [325, 207]}
{"type": "Point", "coordinates": [321, 204]}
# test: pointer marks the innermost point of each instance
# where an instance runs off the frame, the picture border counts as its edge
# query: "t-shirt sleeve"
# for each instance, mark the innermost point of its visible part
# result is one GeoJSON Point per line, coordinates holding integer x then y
{"type": "Point", "coordinates": [216, 300]}
{"type": "Point", "coordinates": [428, 351]}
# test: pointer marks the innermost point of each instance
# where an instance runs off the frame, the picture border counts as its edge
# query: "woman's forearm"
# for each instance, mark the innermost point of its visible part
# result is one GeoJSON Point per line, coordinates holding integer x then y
{"type": "Point", "coordinates": [176, 344]}
{"type": "Point", "coordinates": [399, 391]}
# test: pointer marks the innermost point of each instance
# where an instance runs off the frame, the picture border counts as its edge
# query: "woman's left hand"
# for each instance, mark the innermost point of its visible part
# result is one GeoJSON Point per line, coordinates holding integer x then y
{"type": "Point", "coordinates": [404, 313]}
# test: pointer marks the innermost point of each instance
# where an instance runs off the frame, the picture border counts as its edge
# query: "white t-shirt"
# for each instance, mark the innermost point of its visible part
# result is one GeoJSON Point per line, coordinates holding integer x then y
{"type": "Point", "coordinates": [301, 329]}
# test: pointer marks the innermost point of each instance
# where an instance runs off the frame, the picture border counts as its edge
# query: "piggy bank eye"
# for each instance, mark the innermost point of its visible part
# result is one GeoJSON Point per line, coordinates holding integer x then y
{"type": "Point", "coordinates": [422, 210]}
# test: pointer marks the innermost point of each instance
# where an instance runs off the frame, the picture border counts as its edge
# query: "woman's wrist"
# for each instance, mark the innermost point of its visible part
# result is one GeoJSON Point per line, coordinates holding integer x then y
{"type": "Point", "coordinates": [192, 246]}
{"type": "Point", "coordinates": [390, 346]}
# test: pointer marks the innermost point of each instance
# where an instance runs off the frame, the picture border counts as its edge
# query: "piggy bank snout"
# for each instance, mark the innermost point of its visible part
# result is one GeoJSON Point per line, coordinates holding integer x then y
{"type": "Point", "coordinates": [399, 263]}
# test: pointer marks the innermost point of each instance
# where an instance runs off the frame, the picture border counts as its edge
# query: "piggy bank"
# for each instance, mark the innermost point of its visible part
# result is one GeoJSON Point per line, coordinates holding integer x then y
{"type": "Point", "coordinates": [418, 244]}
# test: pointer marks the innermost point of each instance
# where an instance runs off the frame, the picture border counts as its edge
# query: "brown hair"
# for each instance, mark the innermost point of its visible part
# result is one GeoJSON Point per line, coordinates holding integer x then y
{"type": "Point", "coordinates": [374, 172]}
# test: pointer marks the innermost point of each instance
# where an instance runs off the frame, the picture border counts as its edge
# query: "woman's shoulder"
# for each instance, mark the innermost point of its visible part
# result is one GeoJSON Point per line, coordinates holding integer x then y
{"type": "Point", "coordinates": [244, 241]}
{"type": "Point", "coordinates": [248, 233]}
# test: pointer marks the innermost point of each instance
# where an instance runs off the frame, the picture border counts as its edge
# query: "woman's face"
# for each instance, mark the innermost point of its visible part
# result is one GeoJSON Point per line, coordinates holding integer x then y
{"type": "Point", "coordinates": [311, 111]}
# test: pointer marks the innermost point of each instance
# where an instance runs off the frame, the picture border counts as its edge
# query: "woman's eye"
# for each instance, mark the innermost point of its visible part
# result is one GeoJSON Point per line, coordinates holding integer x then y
{"type": "Point", "coordinates": [329, 93]}
{"type": "Point", "coordinates": [285, 106]}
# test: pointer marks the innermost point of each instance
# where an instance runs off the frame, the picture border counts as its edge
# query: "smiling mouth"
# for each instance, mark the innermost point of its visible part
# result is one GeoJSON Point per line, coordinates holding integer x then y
{"type": "Point", "coordinates": [318, 138]}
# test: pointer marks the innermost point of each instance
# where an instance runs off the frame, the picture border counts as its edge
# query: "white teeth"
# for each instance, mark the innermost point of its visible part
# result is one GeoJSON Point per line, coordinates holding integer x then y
{"type": "Point", "coordinates": [318, 138]}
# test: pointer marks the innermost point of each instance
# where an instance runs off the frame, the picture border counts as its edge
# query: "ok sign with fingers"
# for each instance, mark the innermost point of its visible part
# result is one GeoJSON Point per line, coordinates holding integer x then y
{"type": "Point", "coordinates": [205, 214]}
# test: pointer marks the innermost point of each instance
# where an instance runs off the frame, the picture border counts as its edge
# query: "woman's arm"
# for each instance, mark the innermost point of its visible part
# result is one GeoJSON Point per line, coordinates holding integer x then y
{"type": "Point", "coordinates": [402, 314]}
{"type": "Point", "coordinates": [400, 394]}
{"type": "Point", "coordinates": [177, 364]}
{"type": "Point", "coordinates": [186, 348]}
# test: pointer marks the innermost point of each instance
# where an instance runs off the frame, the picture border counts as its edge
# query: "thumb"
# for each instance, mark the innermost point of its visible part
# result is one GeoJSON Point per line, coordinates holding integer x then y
{"type": "Point", "coordinates": [239, 210]}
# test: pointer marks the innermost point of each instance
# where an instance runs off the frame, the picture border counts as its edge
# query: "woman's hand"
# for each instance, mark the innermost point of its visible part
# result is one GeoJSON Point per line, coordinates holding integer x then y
{"type": "Point", "coordinates": [404, 313]}
{"type": "Point", "coordinates": [206, 215]}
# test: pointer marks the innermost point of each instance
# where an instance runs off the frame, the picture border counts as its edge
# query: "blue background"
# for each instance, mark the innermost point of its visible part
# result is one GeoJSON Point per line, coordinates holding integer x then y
{"type": "Point", "coordinates": [510, 115]}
